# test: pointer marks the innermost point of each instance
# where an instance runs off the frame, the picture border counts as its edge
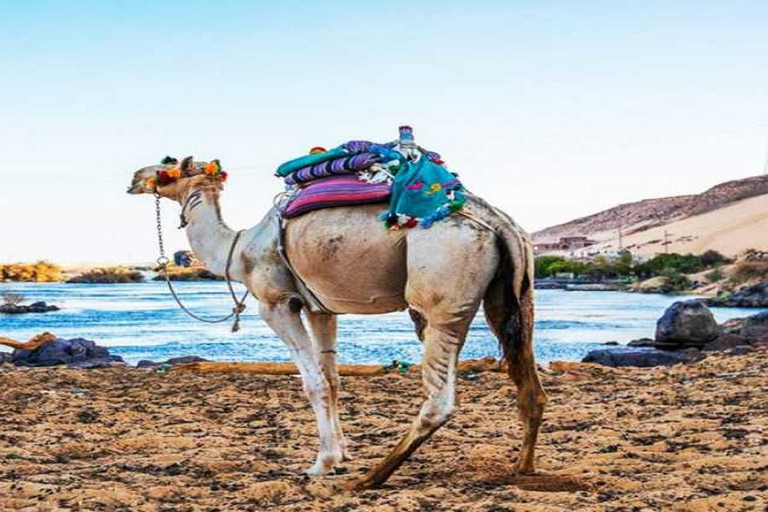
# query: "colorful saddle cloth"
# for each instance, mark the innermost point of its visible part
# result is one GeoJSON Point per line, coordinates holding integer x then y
{"type": "Point", "coordinates": [422, 189]}
{"type": "Point", "coordinates": [336, 191]}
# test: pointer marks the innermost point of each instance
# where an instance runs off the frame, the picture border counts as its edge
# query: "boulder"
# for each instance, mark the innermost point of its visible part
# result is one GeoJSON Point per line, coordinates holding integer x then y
{"type": "Point", "coordinates": [724, 342]}
{"type": "Point", "coordinates": [174, 361]}
{"type": "Point", "coordinates": [740, 350]}
{"type": "Point", "coordinates": [642, 342]}
{"type": "Point", "coordinates": [753, 328]}
{"type": "Point", "coordinates": [77, 352]}
{"type": "Point", "coordinates": [6, 357]}
{"type": "Point", "coordinates": [755, 296]}
{"type": "Point", "coordinates": [36, 307]}
{"type": "Point", "coordinates": [640, 357]}
{"type": "Point", "coordinates": [685, 324]}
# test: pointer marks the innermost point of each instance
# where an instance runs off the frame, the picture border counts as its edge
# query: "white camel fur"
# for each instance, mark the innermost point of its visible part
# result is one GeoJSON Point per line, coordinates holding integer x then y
{"type": "Point", "coordinates": [353, 265]}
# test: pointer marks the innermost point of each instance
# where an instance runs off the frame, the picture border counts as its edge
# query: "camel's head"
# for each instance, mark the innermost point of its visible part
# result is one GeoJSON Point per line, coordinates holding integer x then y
{"type": "Point", "coordinates": [172, 178]}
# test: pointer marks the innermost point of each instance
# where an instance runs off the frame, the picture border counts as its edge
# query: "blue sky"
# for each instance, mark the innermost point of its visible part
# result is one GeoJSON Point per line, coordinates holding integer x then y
{"type": "Point", "coordinates": [549, 110]}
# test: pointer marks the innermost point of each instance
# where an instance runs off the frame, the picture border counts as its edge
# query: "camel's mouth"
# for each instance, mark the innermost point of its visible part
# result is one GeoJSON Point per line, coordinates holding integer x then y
{"type": "Point", "coordinates": [136, 188]}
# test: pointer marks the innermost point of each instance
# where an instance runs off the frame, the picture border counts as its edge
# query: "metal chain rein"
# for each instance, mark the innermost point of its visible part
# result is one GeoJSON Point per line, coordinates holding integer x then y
{"type": "Point", "coordinates": [163, 262]}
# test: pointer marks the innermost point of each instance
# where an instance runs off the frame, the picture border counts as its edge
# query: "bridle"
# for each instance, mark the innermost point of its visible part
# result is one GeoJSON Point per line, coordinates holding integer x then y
{"type": "Point", "coordinates": [163, 262]}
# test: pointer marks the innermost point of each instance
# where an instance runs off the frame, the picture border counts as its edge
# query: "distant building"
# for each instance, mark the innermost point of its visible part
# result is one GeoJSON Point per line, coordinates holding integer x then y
{"type": "Point", "coordinates": [566, 243]}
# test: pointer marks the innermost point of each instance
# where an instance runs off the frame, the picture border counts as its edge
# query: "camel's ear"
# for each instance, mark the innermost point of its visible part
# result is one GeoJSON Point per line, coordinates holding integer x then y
{"type": "Point", "coordinates": [187, 166]}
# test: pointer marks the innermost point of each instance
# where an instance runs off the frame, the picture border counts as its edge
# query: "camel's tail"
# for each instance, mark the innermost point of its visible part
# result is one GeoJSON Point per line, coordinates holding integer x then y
{"type": "Point", "coordinates": [508, 301]}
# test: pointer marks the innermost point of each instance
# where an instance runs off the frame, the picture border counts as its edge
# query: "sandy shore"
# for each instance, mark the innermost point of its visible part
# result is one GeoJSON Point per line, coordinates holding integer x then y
{"type": "Point", "coordinates": [687, 438]}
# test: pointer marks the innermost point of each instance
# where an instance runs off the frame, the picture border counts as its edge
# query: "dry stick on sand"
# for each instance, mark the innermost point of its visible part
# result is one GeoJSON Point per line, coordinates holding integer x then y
{"type": "Point", "coordinates": [36, 342]}
{"type": "Point", "coordinates": [345, 370]}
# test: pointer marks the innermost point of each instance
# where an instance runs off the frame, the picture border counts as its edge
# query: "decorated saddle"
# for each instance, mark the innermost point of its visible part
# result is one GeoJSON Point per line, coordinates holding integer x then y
{"type": "Point", "coordinates": [419, 188]}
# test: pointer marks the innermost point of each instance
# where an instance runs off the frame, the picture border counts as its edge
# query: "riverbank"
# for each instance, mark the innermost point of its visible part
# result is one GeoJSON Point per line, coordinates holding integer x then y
{"type": "Point", "coordinates": [613, 439]}
{"type": "Point", "coordinates": [142, 321]}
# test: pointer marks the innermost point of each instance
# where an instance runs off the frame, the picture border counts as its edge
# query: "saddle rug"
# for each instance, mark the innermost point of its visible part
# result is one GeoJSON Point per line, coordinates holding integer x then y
{"type": "Point", "coordinates": [344, 190]}
{"type": "Point", "coordinates": [419, 187]}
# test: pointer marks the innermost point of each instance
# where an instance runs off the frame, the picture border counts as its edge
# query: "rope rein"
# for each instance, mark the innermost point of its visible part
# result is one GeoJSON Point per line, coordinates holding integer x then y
{"type": "Point", "coordinates": [163, 262]}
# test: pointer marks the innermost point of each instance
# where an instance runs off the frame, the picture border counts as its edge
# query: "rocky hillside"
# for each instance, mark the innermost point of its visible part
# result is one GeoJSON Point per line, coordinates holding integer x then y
{"type": "Point", "coordinates": [649, 213]}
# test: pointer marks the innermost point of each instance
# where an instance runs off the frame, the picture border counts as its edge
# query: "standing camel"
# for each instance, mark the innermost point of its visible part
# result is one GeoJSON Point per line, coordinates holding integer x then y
{"type": "Point", "coordinates": [351, 264]}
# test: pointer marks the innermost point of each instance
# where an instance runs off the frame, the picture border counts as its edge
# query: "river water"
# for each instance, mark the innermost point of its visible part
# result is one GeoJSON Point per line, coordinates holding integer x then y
{"type": "Point", "coordinates": [141, 321]}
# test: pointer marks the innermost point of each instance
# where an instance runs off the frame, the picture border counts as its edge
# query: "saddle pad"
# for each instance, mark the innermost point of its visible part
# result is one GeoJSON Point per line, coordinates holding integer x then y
{"type": "Point", "coordinates": [336, 167]}
{"type": "Point", "coordinates": [336, 191]}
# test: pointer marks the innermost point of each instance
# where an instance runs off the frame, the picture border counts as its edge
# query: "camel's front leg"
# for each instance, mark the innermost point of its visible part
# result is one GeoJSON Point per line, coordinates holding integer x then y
{"type": "Point", "coordinates": [324, 329]}
{"type": "Point", "coordinates": [288, 325]}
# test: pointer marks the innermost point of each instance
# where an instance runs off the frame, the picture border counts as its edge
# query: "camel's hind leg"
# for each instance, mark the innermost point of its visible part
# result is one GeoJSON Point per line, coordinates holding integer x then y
{"type": "Point", "coordinates": [445, 288]}
{"type": "Point", "coordinates": [442, 343]}
{"type": "Point", "coordinates": [516, 337]}
{"type": "Point", "coordinates": [324, 329]}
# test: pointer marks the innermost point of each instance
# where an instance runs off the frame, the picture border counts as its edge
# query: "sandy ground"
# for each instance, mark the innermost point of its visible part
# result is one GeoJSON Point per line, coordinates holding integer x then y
{"type": "Point", "coordinates": [689, 438]}
{"type": "Point", "coordinates": [730, 230]}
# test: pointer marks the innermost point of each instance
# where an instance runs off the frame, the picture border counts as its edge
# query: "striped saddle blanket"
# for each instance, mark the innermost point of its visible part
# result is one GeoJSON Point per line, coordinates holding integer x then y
{"type": "Point", "coordinates": [344, 190]}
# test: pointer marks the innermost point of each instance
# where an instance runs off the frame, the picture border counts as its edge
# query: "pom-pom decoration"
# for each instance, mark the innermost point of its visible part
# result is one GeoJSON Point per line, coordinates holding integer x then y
{"type": "Point", "coordinates": [173, 172]}
{"type": "Point", "coordinates": [317, 149]}
{"type": "Point", "coordinates": [213, 167]}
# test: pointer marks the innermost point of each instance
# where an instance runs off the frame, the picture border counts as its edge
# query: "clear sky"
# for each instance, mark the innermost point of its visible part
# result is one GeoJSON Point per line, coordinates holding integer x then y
{"type": "Point", "coordinates": [551, 110]}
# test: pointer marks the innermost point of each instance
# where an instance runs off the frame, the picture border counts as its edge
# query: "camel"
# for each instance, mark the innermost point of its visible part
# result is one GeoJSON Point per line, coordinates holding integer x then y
{"type": "Point", "coordinates": [345, 259]}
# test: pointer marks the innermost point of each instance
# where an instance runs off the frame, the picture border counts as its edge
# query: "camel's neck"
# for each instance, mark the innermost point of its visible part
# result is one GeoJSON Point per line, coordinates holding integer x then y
{"type": "Point", "coordinates": [209, 237]}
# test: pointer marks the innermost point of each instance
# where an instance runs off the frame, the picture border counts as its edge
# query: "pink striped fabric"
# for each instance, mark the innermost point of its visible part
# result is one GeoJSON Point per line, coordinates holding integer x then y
{"type": "Point", "coordinates": [336, 191]}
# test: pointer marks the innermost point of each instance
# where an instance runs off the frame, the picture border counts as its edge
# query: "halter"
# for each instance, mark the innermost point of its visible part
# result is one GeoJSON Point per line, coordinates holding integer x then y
{"type": "Point", "coordinates": [163, 262]}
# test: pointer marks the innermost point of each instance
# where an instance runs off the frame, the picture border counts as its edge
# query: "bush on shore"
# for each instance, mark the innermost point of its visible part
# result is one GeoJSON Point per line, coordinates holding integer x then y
{"type": "Point", "coordinates": [747, 270]}
{"type": "Point", "coordinates": [674, 281]}
{"type": "Point", "coordinates": [109, 275]}
{"type": "Point", "coordinates": [39, 272]}
{"type": "Point", "coordinates": [670, 266]}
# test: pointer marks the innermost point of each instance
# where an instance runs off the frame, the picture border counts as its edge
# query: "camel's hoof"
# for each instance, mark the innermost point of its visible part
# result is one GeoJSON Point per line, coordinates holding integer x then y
{"type": "Point", "coordinates": [318, 469]}
{"type": "Point", "coordinates": [521, 470]}
{"type": "Point", "coordinates": [325, 464]}
{"type": "Point", "coordinates": [359, 484]}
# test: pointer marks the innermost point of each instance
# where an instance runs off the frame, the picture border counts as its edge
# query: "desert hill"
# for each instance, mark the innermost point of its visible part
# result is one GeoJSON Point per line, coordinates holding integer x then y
{"type": "Point", "coordinates": [729, 217]}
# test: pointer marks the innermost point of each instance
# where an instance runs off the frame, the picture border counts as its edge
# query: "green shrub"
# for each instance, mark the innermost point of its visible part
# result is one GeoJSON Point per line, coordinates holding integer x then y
{"type": "Point", "coordinates": [542, 265]}
{"type": "Point", "coordinates": [675, 281]}
{"type": "Point", "coordinates": [714, 276]}
{"type": "Point", "coordinates": [712, 258]}
{"type": "Point", "coordinates": [683, 263]}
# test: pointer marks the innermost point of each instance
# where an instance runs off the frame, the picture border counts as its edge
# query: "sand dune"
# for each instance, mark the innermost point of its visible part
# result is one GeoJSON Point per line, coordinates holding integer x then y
{"type": "Point", "coordinates": [730, 230]}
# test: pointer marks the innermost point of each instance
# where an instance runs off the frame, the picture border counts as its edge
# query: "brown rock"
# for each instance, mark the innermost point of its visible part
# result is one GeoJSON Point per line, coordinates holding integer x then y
{"type": "Point", "coordinates": [724, 342]}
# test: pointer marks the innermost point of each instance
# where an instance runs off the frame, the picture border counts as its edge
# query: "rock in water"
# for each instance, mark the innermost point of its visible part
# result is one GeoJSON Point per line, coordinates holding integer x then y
{"type": "Point", "coordinates": [642, 342]}
{"type": "Point", "coordinates": [685, 324]}
{"type": "Point", "coordinates": [37, 307]}
{"type": "Point", "coordinates": [174, 361]}
{"type": "Point", "coordinates": [77, 353]}
{"type": "Point", "coordinates": [639, 357]}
